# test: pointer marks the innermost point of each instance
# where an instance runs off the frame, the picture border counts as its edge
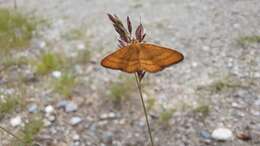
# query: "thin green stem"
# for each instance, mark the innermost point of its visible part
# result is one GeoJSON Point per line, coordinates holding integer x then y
{"type": "Point", "coordinates": [10, 133]}
{"type": "Point", "coordinates": [145, 111]}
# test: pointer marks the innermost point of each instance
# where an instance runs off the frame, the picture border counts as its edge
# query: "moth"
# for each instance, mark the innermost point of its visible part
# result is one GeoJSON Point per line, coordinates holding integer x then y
{"type": "Point", "coordinates": [136, 56]}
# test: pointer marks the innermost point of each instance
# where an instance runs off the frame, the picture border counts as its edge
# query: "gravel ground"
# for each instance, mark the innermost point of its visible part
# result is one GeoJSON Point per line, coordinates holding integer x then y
{"type": "Point", "coordinates": [217, 72]}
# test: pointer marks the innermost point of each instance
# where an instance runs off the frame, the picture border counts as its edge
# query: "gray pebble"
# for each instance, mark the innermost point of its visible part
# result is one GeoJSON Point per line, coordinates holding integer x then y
{"type": "Point", "coordinates": [62, 104]}
{"type": "Point", "coordinates": [257, 102]}
{"type": "Point", "coordinates": [71, 107]}
{"type": "Point", "coordinates": [32, 108]}
{"type": "Point", "coordinates": [67, 105]}
{"type": "Point", "coordinates": [107, 138]}
{"type": "Point", "coordinates": [205, 135]}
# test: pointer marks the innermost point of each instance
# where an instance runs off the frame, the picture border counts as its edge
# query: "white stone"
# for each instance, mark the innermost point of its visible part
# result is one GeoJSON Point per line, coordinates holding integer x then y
{"type": "Point", "coordinates": [111, 115]}
{"type": "Point", "coordinates": [56, 74]}
{"type": "Point", "coordinates": [76, 137]}
{"type": "Point", "coordinates": [81, 46]}
{"type": "Point", "coordinates": [236, 25]}
{"type": "Point", "coordinates": [46, 123]}
{"type": "Point", "coordinates": [42, 44]}
{"type": "Point", "coordinates": [257, 102]}
{"type": "Point", "coordinates": [75, 120]}
{"type": "Point", "coordinates": [205, 48]}
{"type": "Point", "coordinates": [257, 75]}
{"type": "Point", "coordinates": [51, 118]}
{"type": "Point", "coordinates": [222, 134]}
{"type": "Point", "coordinates": [255, 113]}
{"type": "Point", "coordinates": [16, 121]}
{"type": "Point", "coordinates": [194, 64]}
{"type": "Point", "coordinates": [49, 109]}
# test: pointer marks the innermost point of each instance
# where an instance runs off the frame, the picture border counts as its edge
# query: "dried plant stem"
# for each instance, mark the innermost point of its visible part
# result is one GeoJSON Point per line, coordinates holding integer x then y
{"type": "Point", "coordinates": [15, 4]}
{"type": "Point", "coordinates": [138, 81]}
{"type": "Point", "coordinates": [10, 133]}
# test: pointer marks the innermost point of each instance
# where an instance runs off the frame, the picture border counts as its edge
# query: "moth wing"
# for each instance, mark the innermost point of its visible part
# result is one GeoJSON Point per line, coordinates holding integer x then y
{"type": "Point", "coordinates": [124, 59]}
{"type": "Point", "coordinates": [155, 58]}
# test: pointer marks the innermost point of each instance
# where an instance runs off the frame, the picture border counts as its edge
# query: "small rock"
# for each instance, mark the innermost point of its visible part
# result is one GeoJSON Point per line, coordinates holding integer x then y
{"type": "Point", "coordinates": [51, 118]}
{"type": "Point", "coordinates": [255, 113]}
{"type": "Point", "coordinates": [122, 121]}
{"type": "Point", "coordinates": [71, 107]}
{"type": "Point", "coordinates": [75, 120]}
{"type": "Point", "coordinates": [257, 102]}
{"type": "Point", "coordinates": [67, 105]}
{"type": "Point", "coordinates": [236, 105]}
{"type": "Point", "coordinates": [257, 75]}
{"type": "Point", "coordinates": [103, 116]}
{"type": "Point", "coordinates": [56, 74]}
{"type": "Point", "coordinates": [81, 46]}
{"type": "Point", "coordinates": [32, 108]}
{"type": "Point", "coordinates": [76, 137]}
{"type": "Point", "coordinates": [205, 135]}
{"type": "Point", "coordinates": [205, 48]}
{"type": "Point", "coordinates": [46, 122]}
{"type": "Point", "coordinates": [30, 77]}
{"type": "Point", "coordinates": [49, 109]}
{"type": "Point", "coordinates": [93, 128]}
{"type": "Point", "coordinates": [107, 138]}
{"type": "Point", "coordinates": [62, 104]}
{"type": "Point", "coordinates": [244, 136]}
{"type": "Point", "coordinates": [16, 121]}
{"type": "Point", "coordinates": [41, 44]}
{"type": "Point", "coordinates": [236, 25]}
{"type": "Point", "coordinates": [222, 134]}
{"type": "Point", "coordinates": [194, 64]}
{"type": "Point", "coordinates": [76, 143]}
{"type": "Point", "coordinates": [110, 115]}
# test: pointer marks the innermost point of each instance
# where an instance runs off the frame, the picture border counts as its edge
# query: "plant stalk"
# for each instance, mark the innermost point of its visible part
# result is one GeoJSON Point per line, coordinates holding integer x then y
{"type": "Point", "coordinates": [10, 133]}
{"type": "Point", "coordinates": [138, 81]}
{"type": "Point", "coordinates": [15, 4]}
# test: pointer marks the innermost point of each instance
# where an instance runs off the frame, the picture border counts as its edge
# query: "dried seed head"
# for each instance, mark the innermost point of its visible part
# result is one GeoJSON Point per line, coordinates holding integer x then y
{"type": "Point", "coordinates": [125, 33]}
{"type": "Point", "coordinates": [129, 25]}
{"type": "Point", "coordinates": [141, 75]}
{"type": "Point", "coordinates": [121, 43]}
{"type": "Point", "coordinates": [139, 32]}
{"type": "Point", "coordinates": [120, 29]}
{"type": "Point", "coordinates": [143, 37]}
{"type": "Point", "coordinates": [111, 18]}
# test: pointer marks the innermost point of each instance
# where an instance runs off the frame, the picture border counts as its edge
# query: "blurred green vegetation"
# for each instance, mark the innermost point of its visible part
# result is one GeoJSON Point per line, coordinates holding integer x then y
{"type": "Point", "coordinates": [121, 90]}
{"type": "Point", "coordinates": [202, 109]}
{"type": "Point", "coordinates": [65, 84]}
{"type": "Point", "coordinates": [83, 57]}
{"type": "Point", "coordinates": [150, 102]}
{"type": "Point", "coordinates": [49, 62]}
{"type": "Point", "coordinates": [9, 61]}
{"type": "Point", "coordinates": [225, 83]}
{"type": "Point", "coordinates": [7, 105]}
{"type": "Point", "coordinates": [166, 115]}
{"type": "Point", "coordinates": [28, 132]}
{"type": "Point", "coordinates": [31, 129]}
{"type": "Point", "coordinates": [16, 30]}
{"type": "Point", "coordinates": [244, 40]}
{"type": "Point", "coordinates": [77, 33]}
